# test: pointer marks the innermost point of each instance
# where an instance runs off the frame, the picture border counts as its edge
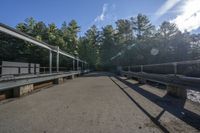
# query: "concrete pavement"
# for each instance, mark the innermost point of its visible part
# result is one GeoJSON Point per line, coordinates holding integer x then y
{"type": "Point", "coordinates": [90, 104]}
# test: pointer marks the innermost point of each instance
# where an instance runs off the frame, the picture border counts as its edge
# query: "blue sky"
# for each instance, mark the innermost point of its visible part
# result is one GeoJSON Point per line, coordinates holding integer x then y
{"type": "Point", "coordinates": [100, 12]}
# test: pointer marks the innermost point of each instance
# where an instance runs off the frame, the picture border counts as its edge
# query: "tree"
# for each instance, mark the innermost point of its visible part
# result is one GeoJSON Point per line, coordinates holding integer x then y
{"type": "Point", "coordinates": [107, 47]}
{"type": "Point", "coordinates": [140, 42]}
{"type": "Point", "coordinates": [73, 30]}
{"type": "Point", "coordinates": [40, 31]}
{"type": "Point", "coordinates": [89, 47]}
{"type": "Point", "coordinates": [142, 26]}
{"type": "Point", "coordinates": [173, 45]}
{"type": "Point", "coordinates": [195, 46]}
{"type": "Point", "coordinates": [124, 31]}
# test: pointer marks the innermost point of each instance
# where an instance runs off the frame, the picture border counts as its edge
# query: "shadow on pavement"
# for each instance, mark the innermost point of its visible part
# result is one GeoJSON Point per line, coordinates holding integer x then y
{"type": "Point", "coordinates": [172, 105]}
{"type": "Point", "coordinates": [97, 74]}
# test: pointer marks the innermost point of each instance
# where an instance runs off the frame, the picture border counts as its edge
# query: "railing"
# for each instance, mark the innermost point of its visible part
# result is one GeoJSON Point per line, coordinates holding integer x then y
{"type": "Point", "coordinates": [30, 71]}
{"type": "Point", "coordinates": [186, 68]}
{"type": "Point", "coordinates": [15, 33]}
{"type": "Point", "coordinates": [185, 74]}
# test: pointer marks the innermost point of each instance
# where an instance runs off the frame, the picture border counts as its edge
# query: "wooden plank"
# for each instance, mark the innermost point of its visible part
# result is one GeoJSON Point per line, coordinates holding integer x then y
{"type": "Point", "coordinates": [42, 85]}
{"type": "Point", "coordinates": [2, 97]}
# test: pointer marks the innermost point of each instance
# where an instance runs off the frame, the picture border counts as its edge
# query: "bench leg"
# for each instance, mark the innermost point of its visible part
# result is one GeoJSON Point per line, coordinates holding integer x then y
{"type": "Point", "coordinates": [58, 81]}
{"type": "Point", "coordinates": [22, 90]}
{"type": "Point", "coordinates": [177, 91]}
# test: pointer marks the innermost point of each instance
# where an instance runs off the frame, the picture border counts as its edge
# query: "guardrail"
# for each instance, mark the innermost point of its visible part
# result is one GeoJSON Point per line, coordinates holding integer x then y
{"type": "Point", "coordinates": [181, 81]}
{"type": "Point", "coordinates": [37, 79]}
{"type": "Point", "coordinates": [187, 68]}
{"type": "Point", "coordinates": [21, 79]}
{"type": "Point", "coordinates": [25, 84]}
{"type": "Point", "coordinates": [18, 34]}
{"type": "Point", "coordinates": [31, 71]}
{"type": "Point", "coordinates": [42, 70]}
{"type": "Point", "coordinates": [175, 75]}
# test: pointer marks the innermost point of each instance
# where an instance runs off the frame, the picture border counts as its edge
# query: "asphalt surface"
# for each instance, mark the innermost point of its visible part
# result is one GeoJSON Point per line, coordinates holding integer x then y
{"type": "Point", "coordinates": [96, 103]}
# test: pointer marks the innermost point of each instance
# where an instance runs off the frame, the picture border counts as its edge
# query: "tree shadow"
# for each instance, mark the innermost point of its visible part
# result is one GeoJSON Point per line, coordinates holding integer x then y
{"type": "Point", "coordinates": [170, 104]}
{"type": "Point", "coordinates": [97, 74]}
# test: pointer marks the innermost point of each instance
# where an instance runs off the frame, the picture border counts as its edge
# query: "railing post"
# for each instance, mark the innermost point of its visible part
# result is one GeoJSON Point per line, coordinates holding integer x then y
{"type": "Point", "coordinates": [57, 60]}
{"type": "Point", "coordinates": [77, 64]}
{"type": "Point", "coordinates": [34, 68]}
{"type": "Point", "coordinates": [19, 70]}
{"type": "Point", "coordinates": [129, 68]}
{"type": "Point", "coordinates": [175, 68]}
{"type": "Point", "coordinates": [85, 66]}
{"type": "Point", "coordinates": [73, 65]}
{"type": "Point", "coordinates": [82, 66]}
{"type": "Point", "coordinates": [141, 68]}
{"type": "Point", "coordinates": [29, 68]}
{"type": "Point", "coordinates": [50, 61]}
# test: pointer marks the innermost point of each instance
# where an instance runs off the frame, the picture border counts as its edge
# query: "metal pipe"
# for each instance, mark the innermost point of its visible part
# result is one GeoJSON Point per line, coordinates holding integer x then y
{"type": "Point", "coordinates": [73, 65]}
{"type": "Point", "coordinates": [13, 32]}
{"type": "Point", "coordinates": [20, 35]}
{"type": "Point", "coordinates": [50, 61]}
{"type": "Point", "coordinates": [77, 64]}
{"type": "Point", "coordinates": [82, 66]}
{"type": "Point", "coordinates": [57, 60]}
{"type": "Point", "coordinates": [175, 68]}
{"type": "Point", "coordinates": [141, 68]}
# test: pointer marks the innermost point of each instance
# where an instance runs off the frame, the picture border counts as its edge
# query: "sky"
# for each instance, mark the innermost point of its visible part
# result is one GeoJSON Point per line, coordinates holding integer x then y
{"type": "Point", "coordinates": [184, 13]}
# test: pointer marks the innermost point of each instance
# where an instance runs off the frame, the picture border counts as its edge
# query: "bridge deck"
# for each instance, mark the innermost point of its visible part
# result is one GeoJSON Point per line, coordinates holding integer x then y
{"type": "Point", "coordinates": [98, 103]}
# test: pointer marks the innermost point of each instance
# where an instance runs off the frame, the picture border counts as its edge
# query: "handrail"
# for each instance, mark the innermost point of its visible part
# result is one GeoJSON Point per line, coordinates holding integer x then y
{"type": "Point", "coordinates": [169, 68]}
{"type": "Point", "coordinates": [42, 70]}
{"type": "Point", "coordinates": [178, 80]}
{"type": "Point", "coordinates": [170, 63]}
{"type": "Point", "coordinates": [16, 33]}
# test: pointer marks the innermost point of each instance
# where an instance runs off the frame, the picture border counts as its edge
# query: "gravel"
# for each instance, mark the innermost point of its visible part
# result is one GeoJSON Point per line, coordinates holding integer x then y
{"type": "Point", "coordinates": [193, 95]}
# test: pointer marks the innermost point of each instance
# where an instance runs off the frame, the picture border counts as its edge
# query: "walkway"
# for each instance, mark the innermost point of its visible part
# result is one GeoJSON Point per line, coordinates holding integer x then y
{"type": "Point", "coordinates": [96, 103]}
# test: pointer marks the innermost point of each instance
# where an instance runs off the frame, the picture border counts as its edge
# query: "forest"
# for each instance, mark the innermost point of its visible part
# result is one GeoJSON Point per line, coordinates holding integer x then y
{"type": "Point", "coordinates": [132, 41]}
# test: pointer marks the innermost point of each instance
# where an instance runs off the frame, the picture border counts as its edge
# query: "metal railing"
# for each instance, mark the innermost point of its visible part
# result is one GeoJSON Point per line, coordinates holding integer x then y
{"type": "Point", "coordinates": [185, 74]}
{"type": "Point", "coordinates": [26, 71]}
{"type": "Point", "coordinates": [18, 34]}
{"type": "Point", "coordinates": [186, 68]}
{"type": "Point", "coordinates": [33, 70]}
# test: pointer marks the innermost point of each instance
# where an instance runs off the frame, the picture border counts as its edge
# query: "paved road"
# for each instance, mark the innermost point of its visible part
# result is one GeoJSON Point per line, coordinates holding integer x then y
{"type": "Point", "coordinates": [90, 104]}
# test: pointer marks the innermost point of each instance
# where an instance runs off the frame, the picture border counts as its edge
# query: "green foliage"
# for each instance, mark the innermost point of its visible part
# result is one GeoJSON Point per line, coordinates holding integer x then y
{"type": "Point", "coordinates": [142, 26]}
{"type": "Point", "coordinates": [133, 41]}
{"type": "Point", "coordinates": [89, 47]}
